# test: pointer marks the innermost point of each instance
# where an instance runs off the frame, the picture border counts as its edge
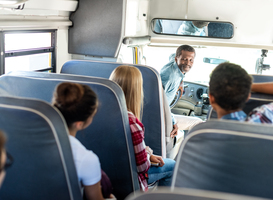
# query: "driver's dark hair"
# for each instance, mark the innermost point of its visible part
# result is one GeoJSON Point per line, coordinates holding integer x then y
{"type": "Point", "coordinates": [184, 48]}
{"type": "Point", "coordinates": [230, 85]}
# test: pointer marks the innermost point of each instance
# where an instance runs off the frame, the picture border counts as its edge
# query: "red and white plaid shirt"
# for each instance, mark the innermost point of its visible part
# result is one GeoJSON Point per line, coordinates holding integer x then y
{"type": "Point", "coordinates": [142, 161]}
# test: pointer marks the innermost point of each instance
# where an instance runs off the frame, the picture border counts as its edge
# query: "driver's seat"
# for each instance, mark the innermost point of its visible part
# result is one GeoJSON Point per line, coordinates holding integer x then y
{"type": "Point", "coordinates": [172, 144]}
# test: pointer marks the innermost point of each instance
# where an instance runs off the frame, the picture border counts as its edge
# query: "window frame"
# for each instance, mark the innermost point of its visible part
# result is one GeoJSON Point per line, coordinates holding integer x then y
{"type": "Point", "coordinates": [32, 51]}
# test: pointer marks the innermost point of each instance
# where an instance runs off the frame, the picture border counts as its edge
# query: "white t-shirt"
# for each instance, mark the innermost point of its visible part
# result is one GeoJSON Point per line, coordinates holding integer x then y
{"type": "Point", "coordinates": [87, 163]}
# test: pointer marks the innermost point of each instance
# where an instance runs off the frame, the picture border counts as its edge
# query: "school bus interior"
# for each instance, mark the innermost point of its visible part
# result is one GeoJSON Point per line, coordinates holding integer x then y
{"type": "Point", "coordinates": [85, 40]}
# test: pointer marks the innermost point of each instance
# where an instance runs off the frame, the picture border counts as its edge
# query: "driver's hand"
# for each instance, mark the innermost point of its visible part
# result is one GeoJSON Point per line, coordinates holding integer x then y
{"type": "Point", "coordinates": [181, 88]}
{"type": "Point", "coordinates": [174, 131]}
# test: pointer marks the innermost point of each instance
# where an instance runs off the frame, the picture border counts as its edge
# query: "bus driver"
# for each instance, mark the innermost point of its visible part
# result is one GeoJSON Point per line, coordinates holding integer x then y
{"type": "Point", "coordinates": [172, 75]}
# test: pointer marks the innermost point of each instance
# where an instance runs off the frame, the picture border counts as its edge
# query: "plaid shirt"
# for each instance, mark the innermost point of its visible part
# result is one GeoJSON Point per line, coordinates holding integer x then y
{"type": "Point", "coordinates": [262, 114]}
{"type": "Point", "coordinates": [142, 161]}
{"type": "Point", "coordinates": [237, 116]}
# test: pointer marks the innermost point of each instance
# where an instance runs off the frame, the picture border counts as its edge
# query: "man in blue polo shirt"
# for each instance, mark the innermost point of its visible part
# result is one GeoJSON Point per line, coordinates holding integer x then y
{"type": "Point", "coordinates": [172, 75]}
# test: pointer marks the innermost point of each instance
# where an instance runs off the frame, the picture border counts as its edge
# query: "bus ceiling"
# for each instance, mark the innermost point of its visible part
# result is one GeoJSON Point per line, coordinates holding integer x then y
{"type": "Point", "coordinates": [98, 27]}
{"type": "Point", "coordinates": [35, 14]}
{"type": "Point", "coordinates": [60, 5]}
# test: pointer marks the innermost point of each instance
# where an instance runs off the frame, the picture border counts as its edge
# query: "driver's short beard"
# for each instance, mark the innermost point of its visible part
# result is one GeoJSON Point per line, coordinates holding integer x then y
{"type": "Point", "coordinates": [181, 68]}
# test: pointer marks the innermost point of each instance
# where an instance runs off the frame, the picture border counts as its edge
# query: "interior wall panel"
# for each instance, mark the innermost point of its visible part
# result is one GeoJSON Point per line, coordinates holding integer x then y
{"type": "Point", "coordinates": [252, 20]}
{"type": "Point", "coordinates": [98, 28]}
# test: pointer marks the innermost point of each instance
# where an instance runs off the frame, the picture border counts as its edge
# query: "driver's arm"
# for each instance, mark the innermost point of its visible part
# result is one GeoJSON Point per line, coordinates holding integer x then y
{"type": "Point", "coordinates": [181, 88]}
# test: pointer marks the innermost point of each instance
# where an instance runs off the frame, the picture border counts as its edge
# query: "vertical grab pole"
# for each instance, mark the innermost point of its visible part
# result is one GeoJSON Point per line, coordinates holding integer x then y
{"type": "Point", "coordinates": [2, 53]}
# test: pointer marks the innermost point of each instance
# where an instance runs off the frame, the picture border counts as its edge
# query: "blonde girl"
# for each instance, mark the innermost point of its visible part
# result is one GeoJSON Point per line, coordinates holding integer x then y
{"type": "Point", "coordinates": [130, 80]}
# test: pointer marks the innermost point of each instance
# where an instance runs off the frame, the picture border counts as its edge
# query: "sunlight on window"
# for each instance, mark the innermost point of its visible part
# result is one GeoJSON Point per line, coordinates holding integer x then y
{"type": "Point", "coordinates": [157, 57]}
{"type": "Point", "coordinates": [28, 63]}
{"type": "Point", "coordinates": [131, 18]}
{"type": "Point", "coordinates": [19, 41]}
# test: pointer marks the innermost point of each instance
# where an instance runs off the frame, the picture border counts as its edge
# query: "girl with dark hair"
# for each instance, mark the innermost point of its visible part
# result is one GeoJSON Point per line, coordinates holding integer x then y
{"type": "Point", "coordinates": [78, 104]}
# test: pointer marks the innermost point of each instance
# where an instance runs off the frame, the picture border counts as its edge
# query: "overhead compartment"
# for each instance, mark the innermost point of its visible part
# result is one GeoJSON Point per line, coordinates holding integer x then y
{"type": "Point", "coordinates": [98, 28]}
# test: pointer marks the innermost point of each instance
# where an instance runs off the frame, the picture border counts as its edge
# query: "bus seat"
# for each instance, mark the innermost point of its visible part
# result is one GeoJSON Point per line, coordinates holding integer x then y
{"type": "Point", "coordinates": [171, 149]}
{"type": "Point", "coordinates": [256, 99]}
{"type": "Point", "coordinates": [227, 156]}
{"type": "Point", "coordinates": [259, 78]}
{"type": "Point", "coordinates": [172, 145]}
{"type": "Point", "coordinates": [109, 134]}
{"type": "Point", "coordinates": [43, 165]}
{"type": "Point", "coordinates": [153, 110]}
{"type": "Point", "coordinates": [187, 194]}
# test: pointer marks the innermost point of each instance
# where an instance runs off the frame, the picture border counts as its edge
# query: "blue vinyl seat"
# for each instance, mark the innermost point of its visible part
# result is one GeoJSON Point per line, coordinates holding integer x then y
{"type": "Point", "coordinates": [157, 126]}
{"type": "Point", "coordinates": [227, 156]}
{"type": "Point", "coordinates": [187, 194]}
{"type": "Point", "coordinates": [38, 140]}
{"type": "Point", "coordinates": [109, 134]}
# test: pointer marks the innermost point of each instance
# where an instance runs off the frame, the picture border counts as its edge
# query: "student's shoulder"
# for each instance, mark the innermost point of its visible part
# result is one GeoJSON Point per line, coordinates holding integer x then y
{"type": "Point", "coordinates": [91, 157]}
{"type": "Point", "coordinates": [75, 143]}
{"type": "Point", "coordinates": [131, 116]}
{"type": "Point", "coordinates": [262, 114]}
{"type": "Point", "coordinates": [134, 121]}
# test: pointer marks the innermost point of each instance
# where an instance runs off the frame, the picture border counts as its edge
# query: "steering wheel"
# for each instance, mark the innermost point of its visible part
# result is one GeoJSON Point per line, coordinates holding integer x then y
{"type": "Point", "coordinates": [176, 98]}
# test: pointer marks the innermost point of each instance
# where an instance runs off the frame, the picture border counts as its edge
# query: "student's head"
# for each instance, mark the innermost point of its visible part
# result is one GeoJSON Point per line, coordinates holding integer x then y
{"type": "Point", "coordinates": [184, 58]}
{"type": "Point", "coordinates": [130, 80]}
{"type": "Point", "coordinates": [3, 157]}
{"type": "Point", "coordinates": [77, 103]}
{"type": "Point", "coordinates": [229, 87]}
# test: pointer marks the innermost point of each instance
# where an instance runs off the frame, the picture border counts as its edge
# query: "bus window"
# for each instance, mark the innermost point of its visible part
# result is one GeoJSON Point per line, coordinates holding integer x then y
{"type": "Point", "coordinates": [34, 50]}
{"type": "Point", "coordinates": [157, 57]}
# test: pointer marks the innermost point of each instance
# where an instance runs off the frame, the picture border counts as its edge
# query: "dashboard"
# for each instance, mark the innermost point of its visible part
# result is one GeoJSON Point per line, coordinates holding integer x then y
{"type": "Point", "coordinates": [191, 102]}
{"type": "Point", "coordinates": [193, 92]}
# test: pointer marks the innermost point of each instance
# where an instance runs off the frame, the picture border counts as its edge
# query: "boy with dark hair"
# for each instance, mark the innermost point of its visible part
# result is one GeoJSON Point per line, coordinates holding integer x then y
{"type": "Point", "coordinates": [229, 89]}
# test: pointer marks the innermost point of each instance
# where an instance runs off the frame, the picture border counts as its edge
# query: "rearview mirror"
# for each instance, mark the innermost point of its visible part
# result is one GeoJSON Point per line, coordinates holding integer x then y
{"type": "Point", "coordinates": [193, 28]}
{"type": "Point", "coordinates": [214, 60]}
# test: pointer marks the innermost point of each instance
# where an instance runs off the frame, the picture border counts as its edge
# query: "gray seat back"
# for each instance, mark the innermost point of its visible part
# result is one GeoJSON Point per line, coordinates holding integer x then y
{"type": "Point", "coordinates": [168, 124]}
{"type": "Point", "coordinates": [108, 136]}
{"type": "Point", "coordinates": [258, 78]}
{"type": "Point", "coordinates": [187, 194]}
{"type": "Point", "coordinates": [227, 156]}
{"type": "Point", "coordinates": [38, 140]}
{"type": "Point", "coordinates": [153, 101]}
